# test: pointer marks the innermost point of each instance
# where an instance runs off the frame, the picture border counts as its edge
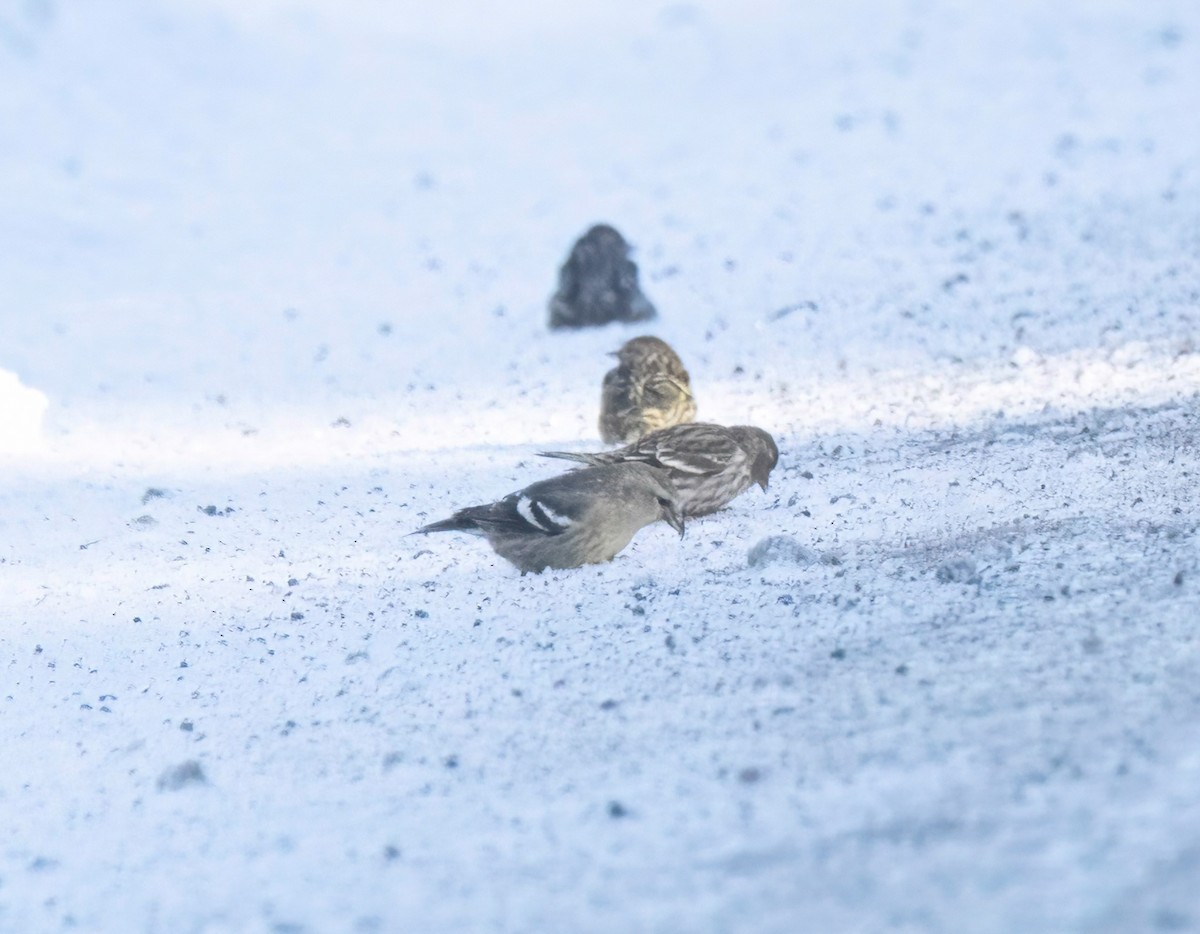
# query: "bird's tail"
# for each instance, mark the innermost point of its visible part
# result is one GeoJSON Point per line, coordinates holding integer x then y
{"type": "Point", "coordinates": [591, 459]}
{"type": "Point", "coordinates": [456, 523]}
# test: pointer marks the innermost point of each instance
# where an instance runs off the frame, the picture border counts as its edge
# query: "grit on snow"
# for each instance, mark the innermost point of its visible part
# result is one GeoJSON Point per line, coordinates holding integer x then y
{"type": "Point", "coordinates": [277, 274]}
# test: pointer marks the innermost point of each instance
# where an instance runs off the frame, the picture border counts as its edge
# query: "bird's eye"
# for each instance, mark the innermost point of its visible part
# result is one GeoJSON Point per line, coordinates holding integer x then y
{"type": "Point", "coordinates": [664, 502]}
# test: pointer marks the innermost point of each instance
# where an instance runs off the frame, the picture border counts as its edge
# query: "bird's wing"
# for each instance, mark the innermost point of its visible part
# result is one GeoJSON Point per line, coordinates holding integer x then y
{"type": "Point", "coordinates": [663, 389]}
{"type": "Point", "coordinates": [690, 449]}
{"type": "Point", "coordinates": [526, 513]}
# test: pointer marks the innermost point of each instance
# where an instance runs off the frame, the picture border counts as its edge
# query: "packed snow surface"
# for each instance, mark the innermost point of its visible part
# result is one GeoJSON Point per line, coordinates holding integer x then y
{"type": "Point", "coordinates": [277, 274]}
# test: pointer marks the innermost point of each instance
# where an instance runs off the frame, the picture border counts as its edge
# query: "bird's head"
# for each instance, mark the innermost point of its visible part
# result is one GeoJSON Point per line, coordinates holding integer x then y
{"type": "Point", "coordinates": [672, 515]}
{"type": "Point", "coordinates": [649, 354]}
{"type": "Point", "coordinates": [763, 452]}
{"type": "Point", "coordinates": [670, 508]}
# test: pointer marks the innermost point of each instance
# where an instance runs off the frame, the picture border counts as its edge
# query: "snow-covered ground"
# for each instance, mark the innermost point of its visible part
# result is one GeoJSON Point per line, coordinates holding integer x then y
{"type": "Point", "coordinates": [280, 270]}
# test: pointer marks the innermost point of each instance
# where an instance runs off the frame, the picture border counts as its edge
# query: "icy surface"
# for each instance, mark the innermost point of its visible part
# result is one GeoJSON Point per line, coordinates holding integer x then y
{"type": "Point", "coordinates": [281, 270]}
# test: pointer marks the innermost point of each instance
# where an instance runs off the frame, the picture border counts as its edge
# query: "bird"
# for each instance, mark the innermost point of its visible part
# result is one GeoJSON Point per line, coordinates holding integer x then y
{"type": "Point", "coordinates": [648, 389]}
{"type": "Point", "coordinates": [598, 283]}
{"type": "Point", "coordinates": [581, 517]}
{"type": "Point", "coordinates": [710, 465]}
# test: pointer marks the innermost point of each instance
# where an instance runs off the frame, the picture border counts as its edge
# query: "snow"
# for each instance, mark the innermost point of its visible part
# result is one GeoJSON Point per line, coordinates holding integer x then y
{"type": "Point", "coordinates": [280, 271]}
{"type": "Point", "coordinates": [21, 411]}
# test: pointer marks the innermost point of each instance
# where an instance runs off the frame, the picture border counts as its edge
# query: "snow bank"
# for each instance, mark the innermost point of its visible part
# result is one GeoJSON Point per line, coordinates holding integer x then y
{"type": "Point", "coordinates": [21, 411]}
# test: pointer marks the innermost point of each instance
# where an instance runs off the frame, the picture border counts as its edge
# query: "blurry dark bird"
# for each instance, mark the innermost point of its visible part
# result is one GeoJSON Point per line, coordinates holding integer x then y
{"type": "Point", "coordinates": [648, 389]}
{"type": "Point", "coordinates": [581, 517]}
{"type": "Point", "coordinates": [598, 283]}
{"type": "Point", "coordinates": [710, 465]}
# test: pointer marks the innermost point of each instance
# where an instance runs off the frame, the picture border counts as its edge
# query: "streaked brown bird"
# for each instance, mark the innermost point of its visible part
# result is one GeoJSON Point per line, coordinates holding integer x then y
{"type": "Point", "coordinates": [710, 465]}
{"type": "Point", "coordinates": [647, 390]}
{"type": "Point", "coordinates": [581, 517]}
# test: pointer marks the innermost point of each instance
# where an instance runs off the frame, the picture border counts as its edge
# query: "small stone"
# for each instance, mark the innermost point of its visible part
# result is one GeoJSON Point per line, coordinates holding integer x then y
{"type": "Point", "coordinates": [780, 549]}
{"type": "Point", "coordinates": [958, 571]}
{"type": "Point", "coordinates": [180, 776]}
{"type": "Point", "coordinates": [1092, 644]}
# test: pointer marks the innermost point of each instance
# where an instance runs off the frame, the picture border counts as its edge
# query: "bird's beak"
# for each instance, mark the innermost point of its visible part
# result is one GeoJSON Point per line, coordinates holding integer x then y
{"type": "Point", "coordinates": [674, 518]}
{"type": "Point", "coordinates": [761, 474]}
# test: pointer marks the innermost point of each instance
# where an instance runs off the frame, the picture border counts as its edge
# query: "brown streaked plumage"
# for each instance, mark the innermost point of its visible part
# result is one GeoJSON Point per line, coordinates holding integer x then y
{"type": "Point", "coordinates": [710, 465]}
{"type": "Point", "coordinates": [649, 389]}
